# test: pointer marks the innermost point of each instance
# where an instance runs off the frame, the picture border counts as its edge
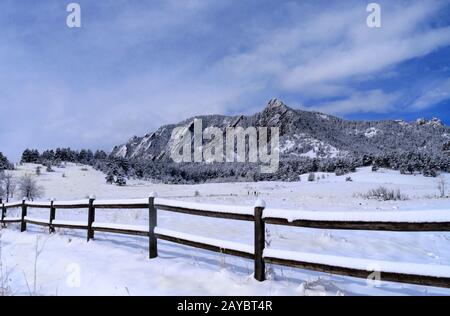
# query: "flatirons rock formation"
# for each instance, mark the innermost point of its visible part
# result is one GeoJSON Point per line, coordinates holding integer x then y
{"type": "Point", "coordinates": [307, 134]}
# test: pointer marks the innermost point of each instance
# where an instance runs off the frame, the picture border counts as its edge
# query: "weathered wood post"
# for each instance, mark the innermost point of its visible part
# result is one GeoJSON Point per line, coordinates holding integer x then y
{"type": "Point", "coordinates": [260, 240]}
{"type": "Point", "coordinates": [91, 218]}
{"type": "Point", "coordinates": [2, 218]}
{"type": "Point", "coordinates": [23, 225]}
{"type": "Point", "coordinates": [52, 215]}
{"type": "Point", "coordinates": [152, 223]}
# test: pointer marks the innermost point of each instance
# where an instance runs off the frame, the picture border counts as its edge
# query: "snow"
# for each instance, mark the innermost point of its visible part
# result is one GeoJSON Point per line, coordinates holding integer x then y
{"type": "Point", "coordinates": [12, 219]}
{"type": "Point", "coordinates": [310, 154]}
{"type": "Point", "coordinates": [260, 203]}
{"type": "Point", "coordinates": [115, 264]}
{"type": "Point", "coordinates": [324, 117]}
{"type": "Point", "coordinates": [208, 241]}
{"type": "Point", "coordinates": [442, 271]}
{"type": "Point", "coordinates": [68, 203]}
{"type": "Point", "coordinates": [121, 226]}
{"type": "Point", "coordinates": [37, 220]}
{"type": "Point", "coordinates": [69, 223]}
{"type": "Point", "coordinates": [39, 203]}
{"type": "Point", "coordinates": [230, 209]}
{"type": "Point", "coordinates": [316, 147]}
{"type": "Point", "coordinates": [371, 132]}
{"type": "Point", "coordinates": [122, 201]}
{"type": "Point", "coordinates": [12, 204]}
{"type": "Point", "coordinates": [288, 145]}
{"type": "Point", "coordinates": [122, 152]}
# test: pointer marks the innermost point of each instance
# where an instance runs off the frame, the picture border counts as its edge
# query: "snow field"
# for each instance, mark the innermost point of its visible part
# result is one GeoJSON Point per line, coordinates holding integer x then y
{"type": "Point", "coordinates": [221, 274]}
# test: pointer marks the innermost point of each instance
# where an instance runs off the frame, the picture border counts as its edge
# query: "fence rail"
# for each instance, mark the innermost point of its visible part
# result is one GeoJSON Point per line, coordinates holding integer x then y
{"type": "Point", "coordinates": [373, 226]}
{"type": "Point", "coordinates": [422, 274]}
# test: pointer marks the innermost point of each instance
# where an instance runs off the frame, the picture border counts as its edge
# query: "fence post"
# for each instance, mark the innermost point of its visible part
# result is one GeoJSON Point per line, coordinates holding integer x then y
{"type": "Point", "coordinates": [52, 216]}
{"type": "Point", "coordinates": [91, 218]}
{"type": "Point", "coordinates": [260, 240]}
{"type": "Point", "coordinates": [23, 226]}
{"type": "Point", "coordinates": [153, 222]}
{"type": "Point", "coordinates": [2, 218]}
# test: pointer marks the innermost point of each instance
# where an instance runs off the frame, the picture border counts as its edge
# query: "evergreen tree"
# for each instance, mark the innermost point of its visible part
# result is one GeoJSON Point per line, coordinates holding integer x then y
{"type": "Point", "coordinates": [121, 181]}
{"type": "Point", "coordinates": [4, 163]}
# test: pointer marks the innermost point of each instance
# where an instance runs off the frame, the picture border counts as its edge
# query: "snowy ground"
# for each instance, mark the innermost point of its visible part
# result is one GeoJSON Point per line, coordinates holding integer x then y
{"type": "Point", "coordinates": [118, 265]}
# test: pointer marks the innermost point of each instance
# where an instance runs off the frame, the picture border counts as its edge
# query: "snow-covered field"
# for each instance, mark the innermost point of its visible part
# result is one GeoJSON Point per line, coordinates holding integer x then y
{"type": "Point", "coordinates": [65, 264]}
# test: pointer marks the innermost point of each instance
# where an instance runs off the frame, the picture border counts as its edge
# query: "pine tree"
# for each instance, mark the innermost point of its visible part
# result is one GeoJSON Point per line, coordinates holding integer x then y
{"type": "Point", "coordinates": [109, 178]}
{"type": "Point", "coordinates": [121, 181]}
{"type": "Point", "coordinates": [4, 163]}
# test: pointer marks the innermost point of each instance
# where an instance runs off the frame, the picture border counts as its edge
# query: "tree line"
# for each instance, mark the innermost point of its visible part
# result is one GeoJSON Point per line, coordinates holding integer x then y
{"type": "Point", "coordinates": [117, 169]}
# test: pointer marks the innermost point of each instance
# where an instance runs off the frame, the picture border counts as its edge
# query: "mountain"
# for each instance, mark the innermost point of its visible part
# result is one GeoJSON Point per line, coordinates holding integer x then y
{"type": "Point", "coordinates": [307, 134]}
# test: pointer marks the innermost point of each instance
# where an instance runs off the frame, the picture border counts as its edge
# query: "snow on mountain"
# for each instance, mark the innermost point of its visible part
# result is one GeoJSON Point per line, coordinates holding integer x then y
{"type": "Point", "coordinates": [303, 133]}
{"type": "Point", "coordinates": [372, 132]}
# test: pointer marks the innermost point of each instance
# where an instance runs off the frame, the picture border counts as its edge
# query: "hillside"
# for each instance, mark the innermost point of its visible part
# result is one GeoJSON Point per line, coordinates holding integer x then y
{"type": "Point", "coordinates": [309, 142]}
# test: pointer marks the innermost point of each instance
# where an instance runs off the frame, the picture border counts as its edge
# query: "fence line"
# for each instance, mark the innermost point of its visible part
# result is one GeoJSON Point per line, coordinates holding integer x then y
{"type": "Point", "coordinates": [422, 274]}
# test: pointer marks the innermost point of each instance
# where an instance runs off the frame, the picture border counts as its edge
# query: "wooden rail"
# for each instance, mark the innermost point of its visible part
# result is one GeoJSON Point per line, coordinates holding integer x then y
{"type": "Point", "coordinates": [359, 225]}
{"type": "Point", "coordinates": [260, 216]}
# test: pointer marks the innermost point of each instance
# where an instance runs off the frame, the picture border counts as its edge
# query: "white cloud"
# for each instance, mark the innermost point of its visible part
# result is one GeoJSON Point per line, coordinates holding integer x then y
{"type": "Point", "coordinates": [329, 49]}
{"type": "Point", "coordinates": [434, 94]}
{"type": "Point", "coordinates": [374, 101]}
{"type": "Point", "coordinates": [344, 63]}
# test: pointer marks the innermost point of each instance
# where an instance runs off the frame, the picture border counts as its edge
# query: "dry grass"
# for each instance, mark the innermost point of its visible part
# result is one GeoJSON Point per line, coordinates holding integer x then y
{"type": "Point", "coordinates": [383, 194]}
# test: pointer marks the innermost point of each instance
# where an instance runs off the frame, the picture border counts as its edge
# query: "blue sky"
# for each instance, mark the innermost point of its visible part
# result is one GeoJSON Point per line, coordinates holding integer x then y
{"type": "Point", "coordinates": [135, 65]}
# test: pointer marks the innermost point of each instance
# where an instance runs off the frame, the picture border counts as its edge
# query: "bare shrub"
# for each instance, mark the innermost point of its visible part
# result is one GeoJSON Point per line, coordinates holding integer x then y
{"type": "Point", "coordinates": [383, 194]}
{"type": "Point", "coordinates": [442, 186]}
{"type": "Point", "coordinates": [9, 185]}
{"type": "Point", "coordinates": [38, 248]}
{"type": "Point", "coordinates": [29, 188]}
{"type": "Point", "coordinates": [2, 189]}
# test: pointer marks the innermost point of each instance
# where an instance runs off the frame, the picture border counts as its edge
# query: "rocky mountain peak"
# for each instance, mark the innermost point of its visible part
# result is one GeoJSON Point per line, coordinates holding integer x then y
{"type": "Point", "coordinates": [305, 134]}
{"type": "Point", "coordinates": [276, 104]}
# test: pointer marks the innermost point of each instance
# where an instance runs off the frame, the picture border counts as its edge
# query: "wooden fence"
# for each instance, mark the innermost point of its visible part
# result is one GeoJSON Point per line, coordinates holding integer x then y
{"type": "Point", "coordinates": [422, 274]}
